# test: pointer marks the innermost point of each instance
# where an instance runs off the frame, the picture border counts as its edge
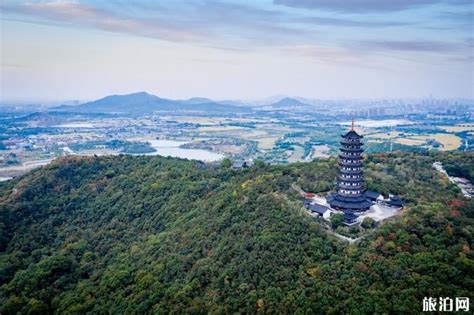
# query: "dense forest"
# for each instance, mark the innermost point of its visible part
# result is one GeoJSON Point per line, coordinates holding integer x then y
{"type": "Point", "coordinates": [124, 234]}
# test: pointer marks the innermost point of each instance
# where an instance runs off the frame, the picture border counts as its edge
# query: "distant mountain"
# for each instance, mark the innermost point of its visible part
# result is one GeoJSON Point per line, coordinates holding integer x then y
{"type": "Point", "coordinates": [287, 103]}
{"type": "Point", "coordinates": [53, 118]}
{"type": "Point", "coordinates": [142, 102]}
{"type": "Point", "coordinates": [41, 119]}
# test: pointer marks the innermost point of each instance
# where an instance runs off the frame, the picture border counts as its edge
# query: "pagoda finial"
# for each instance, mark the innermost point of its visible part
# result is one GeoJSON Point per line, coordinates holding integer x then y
{"type": "Point", "coordinates": [352, 128]}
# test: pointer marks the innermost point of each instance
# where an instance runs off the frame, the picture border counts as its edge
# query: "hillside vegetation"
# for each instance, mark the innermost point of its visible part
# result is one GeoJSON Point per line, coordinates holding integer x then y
{"type": "Point", "coordinates": [140, 235]}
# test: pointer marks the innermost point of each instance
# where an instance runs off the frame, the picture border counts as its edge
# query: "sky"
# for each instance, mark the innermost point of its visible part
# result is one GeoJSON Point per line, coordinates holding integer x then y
{"type": "Point", "coordinates": [323, 49]}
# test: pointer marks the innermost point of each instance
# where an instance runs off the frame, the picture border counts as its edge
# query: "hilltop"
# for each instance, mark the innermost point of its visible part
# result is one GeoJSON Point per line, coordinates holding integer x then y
{"type": "Point", "coordinates": [142, 102]}
{"type": "Point", "coordinates": [136, 234]}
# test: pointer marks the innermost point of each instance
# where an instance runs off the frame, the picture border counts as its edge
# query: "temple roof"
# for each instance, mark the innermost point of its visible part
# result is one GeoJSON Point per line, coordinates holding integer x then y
{"type": "Point", "coordinates": [318, 208]}
{"type": "Point", "coordinates": [372, 194]}
{"type": "Point", "coordinates": [349, 202]}
{"type": "Point", "coordinates": [395, 201]}
{"type": "Point", "coordinates": [350, 216]}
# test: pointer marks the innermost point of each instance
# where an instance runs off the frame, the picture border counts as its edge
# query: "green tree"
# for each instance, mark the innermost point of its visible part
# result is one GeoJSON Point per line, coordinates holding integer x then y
{"type": "Point", "coordinates": [337, 219]}
{"type": "Point", "coordinates": [226, 163]}
{"type": "Point", "coordinates": [368, 223]}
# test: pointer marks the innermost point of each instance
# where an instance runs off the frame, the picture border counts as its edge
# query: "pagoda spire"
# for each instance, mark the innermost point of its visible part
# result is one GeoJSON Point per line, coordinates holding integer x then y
{"type": "Point", "coordinates": [352, 127]}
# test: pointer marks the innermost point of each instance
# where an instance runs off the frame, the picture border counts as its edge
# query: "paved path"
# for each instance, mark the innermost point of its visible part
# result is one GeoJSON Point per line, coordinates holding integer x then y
{"type": "Point", "coordinates": [439, 167]}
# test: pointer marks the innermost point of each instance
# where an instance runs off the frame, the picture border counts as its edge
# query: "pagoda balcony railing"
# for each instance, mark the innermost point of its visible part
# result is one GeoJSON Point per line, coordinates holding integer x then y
{"type": "Point", "coordinates": [350, 183]}
{"type": "Point", "coordinates": [342, 185]}
{"type": "Point", "coordinates": [347, 183]}
{"type": "Point", "coordinates": [350, 162]}
{"type": "Point", "coordinates": [352, 193]}
{"type": "Point", "coordinates": [351, 170]}
{"type": "Point", "coordinates": [358, 173]}
{"type": "Point", "coordinates": [350, 159]}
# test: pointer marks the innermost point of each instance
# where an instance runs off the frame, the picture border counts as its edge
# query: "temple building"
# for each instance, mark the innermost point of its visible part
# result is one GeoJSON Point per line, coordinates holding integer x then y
{"type": "Point", "coordinates": [350, 197]}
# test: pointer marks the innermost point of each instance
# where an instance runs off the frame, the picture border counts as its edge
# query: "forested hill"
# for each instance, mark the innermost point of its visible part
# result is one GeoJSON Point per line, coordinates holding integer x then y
{"type": "Point", "coordinates": [141, 235]}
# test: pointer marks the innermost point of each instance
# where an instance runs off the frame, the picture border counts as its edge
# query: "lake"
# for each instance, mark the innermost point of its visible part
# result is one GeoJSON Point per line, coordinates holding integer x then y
{"type": "Point", "coordinates": [378, 123]}
{"type": "Point", "coordinates": [172, 148]}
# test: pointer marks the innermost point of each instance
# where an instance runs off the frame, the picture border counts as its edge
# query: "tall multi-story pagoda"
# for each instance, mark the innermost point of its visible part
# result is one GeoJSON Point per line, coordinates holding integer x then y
{"type": "Point", "coordinates": [350, 197]}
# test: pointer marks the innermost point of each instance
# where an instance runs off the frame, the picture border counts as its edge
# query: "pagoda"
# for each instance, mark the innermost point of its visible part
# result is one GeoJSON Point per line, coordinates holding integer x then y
{"type": "Point", "coordinates": [350, 197]}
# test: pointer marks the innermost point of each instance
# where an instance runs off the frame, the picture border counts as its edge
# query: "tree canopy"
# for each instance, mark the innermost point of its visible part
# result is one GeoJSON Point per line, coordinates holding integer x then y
{"type": "Point", "coordinates": [140, 234]}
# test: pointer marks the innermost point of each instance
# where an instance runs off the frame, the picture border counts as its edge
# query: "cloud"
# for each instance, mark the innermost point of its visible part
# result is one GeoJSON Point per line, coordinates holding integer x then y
{"type": "Point", "coordinates": [350, 23]}
{"type": "Point", "coordinates": [211, 23]}
{"type": "Point", "coordinates": [72, 13]}
{"type": "Point", "coordinates": [238, 27]}
{"type": "Point", "coordinates": [457, 51]}
{"type": "Point", "coordinates": [361, 6]}
{"type": "Point", "coordinates": [337, 57]}
{"type": "Point", "coordinates": [413, 46]}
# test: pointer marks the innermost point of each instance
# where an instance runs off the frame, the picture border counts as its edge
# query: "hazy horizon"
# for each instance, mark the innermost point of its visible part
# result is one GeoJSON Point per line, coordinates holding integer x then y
{"type": "Point", "coordinates": [83, 50]}
{"type": "Point", "coordinates": [262, 101]}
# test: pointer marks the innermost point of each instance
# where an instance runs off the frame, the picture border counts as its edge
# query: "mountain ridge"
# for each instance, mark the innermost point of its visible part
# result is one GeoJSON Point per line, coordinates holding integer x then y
{"type": "Point", "coordinates": [143, 102]}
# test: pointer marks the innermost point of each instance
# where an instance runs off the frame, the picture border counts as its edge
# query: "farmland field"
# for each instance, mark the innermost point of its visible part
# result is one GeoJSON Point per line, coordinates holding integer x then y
{"type": "Point", "coordinates": [266, 143]}
{"type": "Point", "coordinates": [409, 141]}
{"type": "Point", "coordinates": [382, 135]}
{"type": "Point", "coordinates": [448, 141]}
{"type": "Point", "coordinates": [297, 154]}
{"type": "Point", "coordinates": [458, 128]}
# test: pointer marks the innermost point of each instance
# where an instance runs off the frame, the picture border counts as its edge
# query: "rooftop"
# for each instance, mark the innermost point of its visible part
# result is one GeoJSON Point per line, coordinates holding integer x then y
{"type": "Point", "coordinates": [372, 194]}
{"type": "Point", "coordinates": [352, 135]}
{"type": "Point", "coordinates": [318, 208]}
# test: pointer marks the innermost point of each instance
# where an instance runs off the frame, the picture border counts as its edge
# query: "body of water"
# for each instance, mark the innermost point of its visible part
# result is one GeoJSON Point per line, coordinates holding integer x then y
{"type": "Point", "coordinates": [172, 148]}
{"type": "Point", "coordinates": [378, 123]}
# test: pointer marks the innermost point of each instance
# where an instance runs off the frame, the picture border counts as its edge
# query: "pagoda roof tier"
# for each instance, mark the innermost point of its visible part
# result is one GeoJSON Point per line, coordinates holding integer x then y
{"type": "Point", "coordinates": [349, 203]}
{"type": "Point", "coordinates": [357, 150]}
{"type": "Point", "coordinates": [349, 198]}
{"type": "Point", "coordinates": [350, 157]}
{"type": "Point", "coordinates": [352, 135]}
{"type": "Point", "coordinates": [350, 164]}
{"type": "Point", "coordinates": [351, 172]}
{"type": "Point", "coordinates": [354, 142]}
